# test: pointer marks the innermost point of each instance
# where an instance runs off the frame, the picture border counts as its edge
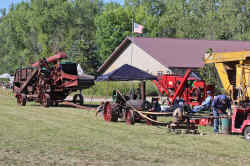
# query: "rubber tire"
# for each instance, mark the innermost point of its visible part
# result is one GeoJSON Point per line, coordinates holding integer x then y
{"type": "Point", "coordinates": [78, 99]}
{"type": "Point", "coordinates": [130, 118]}
{"type": "Point", "coordinates": [247, 133]}
{"type": "Point", "coordinates": [45, 100]}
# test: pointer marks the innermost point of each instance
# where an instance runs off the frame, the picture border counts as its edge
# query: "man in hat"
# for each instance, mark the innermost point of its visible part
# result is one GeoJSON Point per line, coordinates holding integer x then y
{"type": "Point", "coordinates": [205, 105]}
{"type": "Point", "coordinates": [178, 112]}
{"type": "Point", "coordinates": [220, 104]}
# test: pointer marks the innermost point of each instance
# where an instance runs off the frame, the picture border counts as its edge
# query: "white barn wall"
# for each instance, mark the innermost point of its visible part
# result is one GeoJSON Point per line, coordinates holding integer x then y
{"type": "Point", "coordinates": [139, 59]}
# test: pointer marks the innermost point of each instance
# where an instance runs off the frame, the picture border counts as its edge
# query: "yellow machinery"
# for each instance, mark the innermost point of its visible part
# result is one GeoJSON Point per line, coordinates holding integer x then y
{"type": "Point", "coordinates": [233, 69]}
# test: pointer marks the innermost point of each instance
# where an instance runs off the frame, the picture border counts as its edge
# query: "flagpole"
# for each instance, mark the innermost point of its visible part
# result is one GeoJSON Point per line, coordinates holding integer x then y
{"type": "Point", "coordinates": [131, 56]}
{"type": "Point", "coordinates": [132, 41]}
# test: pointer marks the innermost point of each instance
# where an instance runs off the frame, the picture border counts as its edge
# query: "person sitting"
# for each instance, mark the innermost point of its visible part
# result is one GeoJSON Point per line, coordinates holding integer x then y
{"type": "Point", "coordinates": [179, 111]}
{"type": "Point", "coordinates": [205, 105]}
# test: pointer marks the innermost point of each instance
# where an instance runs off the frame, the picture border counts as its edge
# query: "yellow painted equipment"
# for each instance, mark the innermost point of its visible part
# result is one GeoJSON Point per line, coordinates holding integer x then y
{"type": "Point", "coordinates": [233, 69]}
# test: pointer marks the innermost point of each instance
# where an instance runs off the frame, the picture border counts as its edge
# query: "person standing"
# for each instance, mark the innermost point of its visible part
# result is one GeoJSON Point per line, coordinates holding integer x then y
{"type": "Point", "coordinates": [219, 105]}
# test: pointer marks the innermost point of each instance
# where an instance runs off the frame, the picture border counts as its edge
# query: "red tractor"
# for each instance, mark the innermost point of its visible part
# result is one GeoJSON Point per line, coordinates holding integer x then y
{"type": "Point", "coordinates": [50, 81]}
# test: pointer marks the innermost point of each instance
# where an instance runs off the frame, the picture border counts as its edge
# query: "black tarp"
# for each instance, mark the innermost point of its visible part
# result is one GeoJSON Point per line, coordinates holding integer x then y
{"type": "Point", "coordinates": [126, 73]}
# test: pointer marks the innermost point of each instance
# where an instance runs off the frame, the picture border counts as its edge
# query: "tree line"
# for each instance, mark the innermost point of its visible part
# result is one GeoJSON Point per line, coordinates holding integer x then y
{"type": "Point", "coordinates": [89, 30]}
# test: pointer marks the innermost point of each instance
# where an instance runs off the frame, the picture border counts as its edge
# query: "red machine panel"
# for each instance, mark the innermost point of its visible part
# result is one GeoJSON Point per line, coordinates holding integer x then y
{"type": "Point", "coordinates": [192, 90]}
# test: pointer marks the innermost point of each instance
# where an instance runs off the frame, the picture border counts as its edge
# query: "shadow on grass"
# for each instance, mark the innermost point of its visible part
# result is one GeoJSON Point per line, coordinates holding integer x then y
{"type": "Point", "coordinates": [65, 105]}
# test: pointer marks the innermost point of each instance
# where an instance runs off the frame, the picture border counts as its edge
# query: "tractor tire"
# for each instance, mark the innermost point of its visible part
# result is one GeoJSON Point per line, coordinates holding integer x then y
{"type": "Point", "coordinates": [130, 118]}
{"type": "Point", "coordinates": [78, 99]}
{"type": "Point", "coordinates": [109, 113]}
{"type": "Point", "coordinates": [247, 133]}
{"type": "Point", "coordinates": [45, 100]}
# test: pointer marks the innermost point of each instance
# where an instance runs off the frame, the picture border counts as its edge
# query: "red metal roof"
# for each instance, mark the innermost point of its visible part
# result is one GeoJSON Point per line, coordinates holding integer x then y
{"type": "Point", "coordinates": [177, 52]}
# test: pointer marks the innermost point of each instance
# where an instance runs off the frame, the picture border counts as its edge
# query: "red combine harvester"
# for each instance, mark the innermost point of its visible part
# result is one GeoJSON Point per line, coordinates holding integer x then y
{"type": "Point", "coordinates": [50, 81]}
{"type": "Point", "coordinates": [191, 89]}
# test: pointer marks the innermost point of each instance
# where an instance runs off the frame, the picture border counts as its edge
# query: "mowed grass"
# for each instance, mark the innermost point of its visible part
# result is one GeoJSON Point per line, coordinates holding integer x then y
{"type": "Point", "coordinates": [33, 135]}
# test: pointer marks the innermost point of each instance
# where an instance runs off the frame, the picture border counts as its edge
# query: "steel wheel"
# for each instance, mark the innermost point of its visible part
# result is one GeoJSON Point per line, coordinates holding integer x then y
{"type": "Point", "coordinates": [18, 99]}
{"type": "Point", "coordinates": [130, 120]}
{"type": "Point", "coordinates": [45, 100]}
{"type": "Point", "coordinates": [110, 113]}
{"type": "Point", "coordinates": [107, 112]}
{"type": "Point", "coordinates": [21, 100]}
{"type": "Point", "coordinates": [247, 133]}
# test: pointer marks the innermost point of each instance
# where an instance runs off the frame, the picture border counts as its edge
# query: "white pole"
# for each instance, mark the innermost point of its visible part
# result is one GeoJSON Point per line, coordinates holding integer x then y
{"type": "Point", "coordinates": [132, 41]}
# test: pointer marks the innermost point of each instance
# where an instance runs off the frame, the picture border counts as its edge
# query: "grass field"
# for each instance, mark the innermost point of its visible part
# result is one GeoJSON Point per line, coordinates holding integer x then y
{"type": "Point", "coordinates": [34, 135]}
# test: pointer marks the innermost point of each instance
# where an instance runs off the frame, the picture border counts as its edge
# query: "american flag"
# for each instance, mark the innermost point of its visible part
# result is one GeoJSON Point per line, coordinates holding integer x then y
{"type": "Point", "coordinates": [138, 28]}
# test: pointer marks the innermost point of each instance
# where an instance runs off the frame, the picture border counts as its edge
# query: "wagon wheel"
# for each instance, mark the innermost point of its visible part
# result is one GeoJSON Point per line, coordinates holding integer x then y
{"type": "Point", "coordinates": [18, 99]}
{"type": "Point", "coordinates": [21, 100]}
{"type": "Point", "coordinates": [247, 133]}
{"type": "Point", "coordinates": [45, 100]}
{"type": "Point", "coordinates": [148, 122]}
{"type": "Point", "coordinates": [130, 118]}
{"type": "Point", "coordinates": [109, 114]}
{"type": "Point", "coordinates": [78, 99]}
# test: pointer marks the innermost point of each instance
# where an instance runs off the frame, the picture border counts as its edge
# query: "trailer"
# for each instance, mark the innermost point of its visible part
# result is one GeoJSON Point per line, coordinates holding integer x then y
{"type": "Point", "coordinates": [49, 81]}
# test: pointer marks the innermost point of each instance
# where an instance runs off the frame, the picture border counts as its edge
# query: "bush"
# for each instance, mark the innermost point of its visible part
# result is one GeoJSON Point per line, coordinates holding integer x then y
{"type": "Point", "coordinates": [106, 88]}
{"type": "Point", "coordinates": [209, 73]}
{"type": "Point", "coordinates": [151, 89]}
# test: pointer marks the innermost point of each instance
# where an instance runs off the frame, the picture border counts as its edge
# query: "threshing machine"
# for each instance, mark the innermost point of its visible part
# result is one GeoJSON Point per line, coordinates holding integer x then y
{"type": "Point", "coordinates": [49, 81]}
{"type": "Point", "coordinates": [191, 89]}
{"type": "Point", "coordinates": [233, 69]}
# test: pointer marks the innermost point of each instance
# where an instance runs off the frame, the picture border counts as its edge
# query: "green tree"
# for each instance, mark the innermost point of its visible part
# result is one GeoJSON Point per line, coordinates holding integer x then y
{"type": "Point", "coordinates": [37, 28]}
{"type": "Point", "coordinates": [113, 25]}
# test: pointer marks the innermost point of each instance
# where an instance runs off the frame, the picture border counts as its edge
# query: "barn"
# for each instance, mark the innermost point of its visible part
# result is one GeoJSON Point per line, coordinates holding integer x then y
{"type": "Point", "coordinates": [166, 55]}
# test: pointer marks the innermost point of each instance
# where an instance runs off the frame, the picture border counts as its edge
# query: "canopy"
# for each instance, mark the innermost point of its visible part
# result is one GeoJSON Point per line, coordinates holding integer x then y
{"type": "Point", "coordinates": [5, 75]}
{"type": "Point", "coordinates": [126, 73]}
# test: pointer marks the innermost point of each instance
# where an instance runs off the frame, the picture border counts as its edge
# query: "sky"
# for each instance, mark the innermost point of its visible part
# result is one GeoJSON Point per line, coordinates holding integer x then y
{"type": "Point", "coordinates": [6, 3]}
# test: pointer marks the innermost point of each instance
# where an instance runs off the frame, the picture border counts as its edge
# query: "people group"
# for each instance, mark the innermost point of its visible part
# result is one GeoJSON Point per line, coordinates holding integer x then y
{"type": "Point", "coordinates": [218, 104]}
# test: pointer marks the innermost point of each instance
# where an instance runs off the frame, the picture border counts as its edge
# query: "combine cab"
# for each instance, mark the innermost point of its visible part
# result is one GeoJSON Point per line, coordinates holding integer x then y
{"type": "Point", "coordinates": [49, 82]}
